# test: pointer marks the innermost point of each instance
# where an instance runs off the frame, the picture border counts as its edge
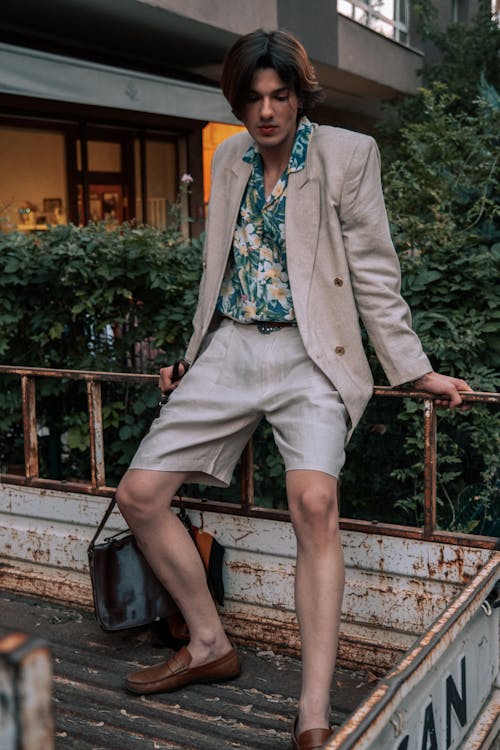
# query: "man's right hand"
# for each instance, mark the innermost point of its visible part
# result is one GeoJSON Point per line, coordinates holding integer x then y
{"type": "Point", "coordinates": [168, 381]}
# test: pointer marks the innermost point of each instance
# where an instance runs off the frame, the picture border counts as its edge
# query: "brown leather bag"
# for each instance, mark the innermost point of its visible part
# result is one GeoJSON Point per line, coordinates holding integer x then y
{"type": "Point", "coordinates": [126, 592]}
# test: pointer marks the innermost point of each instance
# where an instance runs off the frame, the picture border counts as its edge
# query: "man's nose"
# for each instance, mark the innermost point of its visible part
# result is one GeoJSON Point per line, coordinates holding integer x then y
{"type": "Point", "coordinates": [266, 110]}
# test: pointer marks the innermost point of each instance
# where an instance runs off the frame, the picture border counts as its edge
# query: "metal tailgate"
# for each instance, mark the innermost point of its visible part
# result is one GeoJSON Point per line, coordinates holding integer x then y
{"type": "Point", "coordinates": [445, 693]}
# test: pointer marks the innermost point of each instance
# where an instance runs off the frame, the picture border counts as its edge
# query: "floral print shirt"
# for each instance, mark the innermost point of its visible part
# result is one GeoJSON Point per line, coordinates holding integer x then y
{"type": "Point", "coordinates": [256, 285]}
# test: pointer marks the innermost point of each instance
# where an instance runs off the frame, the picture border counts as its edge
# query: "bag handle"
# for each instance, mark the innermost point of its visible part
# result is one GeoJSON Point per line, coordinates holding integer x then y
{"type": "Point", "coordinates": [176, 376]}
{"type": "Point", "coordinates": [182, 515]}
{"type": "Point", "coordinates": [184, 518]}
{"type": "Point", "coordinates": [103, 523]}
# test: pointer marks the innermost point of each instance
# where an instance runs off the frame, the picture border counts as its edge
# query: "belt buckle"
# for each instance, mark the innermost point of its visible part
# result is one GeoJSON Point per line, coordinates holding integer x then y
{"type": "Point", "coordinates": [264, 327]}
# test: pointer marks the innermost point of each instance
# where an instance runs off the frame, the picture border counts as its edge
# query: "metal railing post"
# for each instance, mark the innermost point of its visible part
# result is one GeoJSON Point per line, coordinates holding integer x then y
{"type": "Point", "coordinates": [247, 484]}
{"type": "Point", "coordinates": [94, 399]}
{"type": "Point", "coordinates": [29, 426]}
{"type": "Point", "coordinates": [430, 467]}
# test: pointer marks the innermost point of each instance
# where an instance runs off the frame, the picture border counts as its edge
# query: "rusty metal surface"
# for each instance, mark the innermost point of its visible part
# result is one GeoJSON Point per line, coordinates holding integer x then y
{"type": "Point", "coordinates": [93, 712]}
{"type": "Point", "coordinates": [486, 734]}
{"type": "Point", "coordinates": [395, 587]}
{"type": "Point", "coordinates": [346, 524]}
{"type": "Point", "coordinates": [469, 397]}
{"type": "Point", "coordinates": [411, 532]}
{"type": "Point", "coordinates": [246, 507]}
{"type": "Point", "coordinates": [430, 467]}
{"type": "Point", "coordinates": [94, 400]}
{"type": "Point", "coordinates": [29, 427]}
{"type": "Point", "coordinates": [88, 375]}
{"type": "Point", "coordinates": [382, 714]}
{"type": "Point", "coordinates": [247, 484]}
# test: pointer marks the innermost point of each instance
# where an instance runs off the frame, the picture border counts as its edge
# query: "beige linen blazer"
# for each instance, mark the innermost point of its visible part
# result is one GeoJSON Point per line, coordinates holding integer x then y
{"type": "Point", "coordinates": [341, 261]}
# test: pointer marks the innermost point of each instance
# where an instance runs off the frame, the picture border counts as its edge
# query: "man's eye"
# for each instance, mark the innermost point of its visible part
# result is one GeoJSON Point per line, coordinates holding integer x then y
{"type": "Point", "coordinates": [282, 97]}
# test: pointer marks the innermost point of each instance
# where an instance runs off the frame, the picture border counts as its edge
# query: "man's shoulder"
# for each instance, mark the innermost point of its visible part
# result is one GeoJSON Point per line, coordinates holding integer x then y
{"type": "Point", "coordinates": [330, 136]}
{"type": "Point", "coordinates": [234, 146]}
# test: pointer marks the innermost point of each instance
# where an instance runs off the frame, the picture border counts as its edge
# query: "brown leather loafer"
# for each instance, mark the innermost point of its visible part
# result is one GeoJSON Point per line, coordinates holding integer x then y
{"type": "Point", "coordinates": [176, 673]}
{"type": "Point", "coordinates": [311, 739]}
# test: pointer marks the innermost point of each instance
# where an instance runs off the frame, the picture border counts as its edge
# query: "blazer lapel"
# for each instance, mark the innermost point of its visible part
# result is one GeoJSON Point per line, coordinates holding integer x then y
{"type": "Point", "coordinates": [224, 208]}
{"type": "Point", "coordinates": [236, 183]}
{"type": "Point", "coordinates": [301, 232]}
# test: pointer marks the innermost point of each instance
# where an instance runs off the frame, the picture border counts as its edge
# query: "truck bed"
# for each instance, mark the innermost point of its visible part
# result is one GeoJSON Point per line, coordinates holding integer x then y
{"type": "Point", "coordinates": [94, 712]}
{"type": "Point", "coordinates": [421, 616]}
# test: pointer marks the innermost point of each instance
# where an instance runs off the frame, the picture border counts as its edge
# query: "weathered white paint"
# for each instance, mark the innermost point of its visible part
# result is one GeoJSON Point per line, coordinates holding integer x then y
{"type": "Point", "coordinates": [395, 587]}
{"type": "Point", "coordinates": [444, 693]}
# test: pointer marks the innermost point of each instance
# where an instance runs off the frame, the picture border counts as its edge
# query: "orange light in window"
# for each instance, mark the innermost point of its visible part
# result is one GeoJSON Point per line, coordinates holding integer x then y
{"type": "Point", "coordinates": [213, 134]}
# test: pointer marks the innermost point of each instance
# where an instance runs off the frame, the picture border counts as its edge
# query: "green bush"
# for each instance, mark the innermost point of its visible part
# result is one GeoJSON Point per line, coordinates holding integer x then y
{"type": "Point", "coordinates": [442, 196]}
{"type": "Point", "coordinates": [83, 297]}
{"type": "Point", "coordinates": [91, 298]}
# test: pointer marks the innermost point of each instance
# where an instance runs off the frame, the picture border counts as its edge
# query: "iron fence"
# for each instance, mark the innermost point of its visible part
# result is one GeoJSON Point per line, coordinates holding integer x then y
{"type": "Point", "coordinates": [246, 506]}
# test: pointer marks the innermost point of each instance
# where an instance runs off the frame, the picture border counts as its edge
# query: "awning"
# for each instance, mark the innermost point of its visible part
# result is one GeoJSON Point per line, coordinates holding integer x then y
{"type": "Point", "coordinates": [28, 72]}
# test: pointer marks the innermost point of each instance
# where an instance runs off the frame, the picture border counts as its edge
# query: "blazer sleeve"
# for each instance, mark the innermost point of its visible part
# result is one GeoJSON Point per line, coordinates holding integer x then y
{"type": "Point", "coordinates": [374, 268]}
{"type": "Point", "coordinates": [193, 344]}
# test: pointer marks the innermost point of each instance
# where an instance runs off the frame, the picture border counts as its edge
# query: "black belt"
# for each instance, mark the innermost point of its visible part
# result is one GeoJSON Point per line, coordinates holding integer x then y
{"type": "Point", "coordinates": [269, 326]}
{"type": "Point", "coordinates": [266, 326]}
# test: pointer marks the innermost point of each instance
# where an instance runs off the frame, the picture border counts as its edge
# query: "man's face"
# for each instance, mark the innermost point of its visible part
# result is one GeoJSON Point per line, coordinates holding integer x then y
{"type": "Point", "coordinates": [270, 112]}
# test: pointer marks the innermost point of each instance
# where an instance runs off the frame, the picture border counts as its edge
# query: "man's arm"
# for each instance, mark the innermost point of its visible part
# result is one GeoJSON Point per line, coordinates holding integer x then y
{"type": "Point", "coordinates": [375, 276]}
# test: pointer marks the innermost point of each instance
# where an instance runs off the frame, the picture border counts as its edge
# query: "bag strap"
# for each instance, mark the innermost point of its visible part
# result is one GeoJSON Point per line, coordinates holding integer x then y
{"type": "Point", "coordinates": [103, 523]}
{"type": "Point", "coordinates": [184, 518]}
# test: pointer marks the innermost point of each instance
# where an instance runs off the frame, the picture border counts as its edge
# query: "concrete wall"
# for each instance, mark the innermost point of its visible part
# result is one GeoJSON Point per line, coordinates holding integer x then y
{"type": "Point", "coordinates": [371, 56]}
{"type": "Point", "coordinates": [315, 24]}
{"type": "Point", "coordinates": [237, 16]}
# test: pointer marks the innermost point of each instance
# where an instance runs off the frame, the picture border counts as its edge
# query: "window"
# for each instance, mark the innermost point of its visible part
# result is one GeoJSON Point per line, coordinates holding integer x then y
{"type": "Point", "coordinates": [213, 134]}
{"type": "Point", "coordinates": [64, 171]}
{"type": "Point", "coordinates": [161, 180]}
{"type": "Point", "coordinates": [388, 17]}
{"type": "Point", "coordinates": [33, 185]}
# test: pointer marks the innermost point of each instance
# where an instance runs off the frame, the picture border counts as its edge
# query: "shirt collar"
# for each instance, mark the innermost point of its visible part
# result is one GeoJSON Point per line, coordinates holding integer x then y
{"type": "Point", "coordinates": [299, 149]}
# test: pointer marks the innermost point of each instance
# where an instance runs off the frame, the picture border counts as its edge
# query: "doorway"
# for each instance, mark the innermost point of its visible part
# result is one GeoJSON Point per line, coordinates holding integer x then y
{"type": "Point", "coordinates": [103, 175]}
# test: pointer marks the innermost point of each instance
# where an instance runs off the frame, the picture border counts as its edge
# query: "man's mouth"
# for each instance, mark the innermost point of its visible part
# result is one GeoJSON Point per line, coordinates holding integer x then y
{"type": "Point", "coordinates": [267, 129]}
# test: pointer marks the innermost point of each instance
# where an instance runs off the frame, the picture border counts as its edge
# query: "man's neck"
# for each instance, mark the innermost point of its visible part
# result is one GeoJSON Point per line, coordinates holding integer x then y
{"type": "Point", "coordinates": [275, 160]}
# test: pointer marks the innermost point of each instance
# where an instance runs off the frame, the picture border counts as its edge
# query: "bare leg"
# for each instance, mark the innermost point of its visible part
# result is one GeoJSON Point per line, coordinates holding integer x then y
{"type": "Point", "coordinates": [319, 586]}
{"type": "Point", "coordinates": [144, 498]}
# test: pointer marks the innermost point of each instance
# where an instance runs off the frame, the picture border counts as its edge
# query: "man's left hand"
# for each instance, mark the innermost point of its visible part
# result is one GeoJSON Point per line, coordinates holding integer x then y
{"type": "Point", "coordinates": [445, 387]}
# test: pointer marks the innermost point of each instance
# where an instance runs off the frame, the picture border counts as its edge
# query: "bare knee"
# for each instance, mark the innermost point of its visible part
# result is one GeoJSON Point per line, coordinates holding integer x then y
{"type": "Point", "coordinates": [314, 513]}
{"type": "Point", "coordinates": [136, 501]}
{"type": "Point", "coordinates": [127, 500]}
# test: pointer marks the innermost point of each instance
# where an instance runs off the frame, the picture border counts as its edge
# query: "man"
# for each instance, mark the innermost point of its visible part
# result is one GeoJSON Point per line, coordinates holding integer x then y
{"type": "Point", "coordinates": [297, 248]}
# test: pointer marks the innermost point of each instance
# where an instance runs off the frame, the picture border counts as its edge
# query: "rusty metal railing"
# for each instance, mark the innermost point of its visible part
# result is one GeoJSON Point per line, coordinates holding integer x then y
{"type": "Point", "coordinates": [247, 507]}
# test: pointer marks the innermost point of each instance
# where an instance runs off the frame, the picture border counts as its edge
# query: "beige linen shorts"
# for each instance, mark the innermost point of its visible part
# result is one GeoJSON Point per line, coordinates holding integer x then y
{"type": "Point", "coordinates": [240, 377]}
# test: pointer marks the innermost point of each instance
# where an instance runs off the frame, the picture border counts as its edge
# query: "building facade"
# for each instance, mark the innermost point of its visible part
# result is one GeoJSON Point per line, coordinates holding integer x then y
{"type": "Point", "coordinates": [104, 104]}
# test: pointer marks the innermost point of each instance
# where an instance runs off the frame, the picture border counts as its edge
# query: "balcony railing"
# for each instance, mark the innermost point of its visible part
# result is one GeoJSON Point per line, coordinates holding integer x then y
{"type": "Point", "coordinates": [246, 506]}
{"type": "Point", "coordinates": [387, 17]}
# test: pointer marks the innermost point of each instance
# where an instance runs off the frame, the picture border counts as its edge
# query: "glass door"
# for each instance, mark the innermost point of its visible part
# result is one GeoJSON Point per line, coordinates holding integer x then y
{"type": "Point", "coordinates": [104, 175]}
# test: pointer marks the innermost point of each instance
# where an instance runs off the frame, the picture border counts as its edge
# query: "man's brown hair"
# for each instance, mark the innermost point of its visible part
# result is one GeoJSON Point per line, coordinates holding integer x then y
{"type": "Point", "coordinates": [279, 50]}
